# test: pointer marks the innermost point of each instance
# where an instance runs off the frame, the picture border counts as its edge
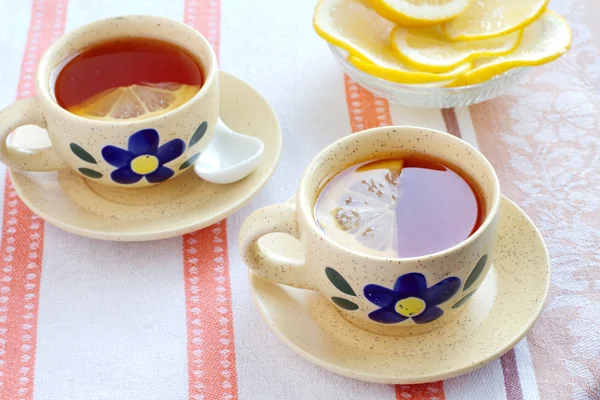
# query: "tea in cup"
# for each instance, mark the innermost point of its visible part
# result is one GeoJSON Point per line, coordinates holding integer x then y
{"type": "Point", "coordinates": [397, 225]}
{"type": "Point", "coordinates": [129, 101]}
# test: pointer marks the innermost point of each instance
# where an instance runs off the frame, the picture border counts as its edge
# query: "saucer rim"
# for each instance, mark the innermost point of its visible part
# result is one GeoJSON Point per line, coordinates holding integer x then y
{"type": "Point", "coordinates": [433, 377]}
{"type": "Point", "coordinates": [164, 233]}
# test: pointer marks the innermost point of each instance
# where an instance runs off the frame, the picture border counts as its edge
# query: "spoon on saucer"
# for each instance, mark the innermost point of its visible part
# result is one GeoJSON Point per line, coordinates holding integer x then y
{"type": "Point", "coordinates": [230, 156]}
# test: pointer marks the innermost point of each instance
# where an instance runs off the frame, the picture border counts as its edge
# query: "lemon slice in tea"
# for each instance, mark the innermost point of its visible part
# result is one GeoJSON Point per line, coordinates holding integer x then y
{"type": "Point", "coordinates": [135, 102]}
{"type": "Point", "coordinates": [399, 207]}
{"type": "Point", "coordinates": [361, 214]}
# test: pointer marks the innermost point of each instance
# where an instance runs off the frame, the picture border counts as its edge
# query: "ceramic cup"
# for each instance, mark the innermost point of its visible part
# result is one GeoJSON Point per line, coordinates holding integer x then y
{"type": "Point", "coordinates": [109, 152]}
{"type": "Point", "coordinates": [392, 296]}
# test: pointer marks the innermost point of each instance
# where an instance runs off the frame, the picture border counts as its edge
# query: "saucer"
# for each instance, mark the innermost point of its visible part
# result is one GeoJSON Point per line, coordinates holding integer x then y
{"type": "Point", "coordinates": [495, 318]}
{"type": "Point", "coordinates": [175, 207]}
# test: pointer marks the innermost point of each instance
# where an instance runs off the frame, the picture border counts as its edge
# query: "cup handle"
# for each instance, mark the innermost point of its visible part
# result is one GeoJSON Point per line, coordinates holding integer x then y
{"type": "Point", "coordinates": [19, 113]}
{"type": "Point", "coordinates": [272, 219]}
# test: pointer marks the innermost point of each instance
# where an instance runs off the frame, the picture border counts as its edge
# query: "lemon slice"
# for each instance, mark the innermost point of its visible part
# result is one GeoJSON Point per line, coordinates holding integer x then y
{"type": "Point", "coordinates": [360, 214]}
{"type": "Point", "coordinates": [428, 49]}
{"type": "Point", "coordinates": [135, 102]}
{"type": "Point", "coordinates": [544, 40]}
{"type": "Point", "coordinates": [356, 28]}
{"type": "Point", "coordinates": [353, 26]}
{"type": "Point", "coordinates": [393, 70]}
{"type": "Point", "coordinates": [420, 12]}
{"type": "Point", "coordinates": [491, 18]}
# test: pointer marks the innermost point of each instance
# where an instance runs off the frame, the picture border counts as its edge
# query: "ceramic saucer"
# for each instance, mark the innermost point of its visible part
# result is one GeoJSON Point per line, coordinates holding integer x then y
{"type": "Point", "coordinates": [495, 318]}
{"type": "Point", "coordinates": [172, 208]}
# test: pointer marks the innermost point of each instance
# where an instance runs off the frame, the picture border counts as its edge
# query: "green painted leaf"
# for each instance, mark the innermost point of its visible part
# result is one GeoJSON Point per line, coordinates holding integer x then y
{"type": "Point", "coordinates": [475, 273]}
{"type": "Point", "coordinates": [190, 161]}
{"type": "Point", "coordinates": [345, 304]}
{"type": "Point", "coordinates": [463, 300]}
{"type": "Point", "coordinates": [339, 282]}
{"type": "Point", "coordinates": [90, 173]}
{"type": "Point", "coordinates": [81, 153]}
{"type": "Point", "coordinates": [198, 134]}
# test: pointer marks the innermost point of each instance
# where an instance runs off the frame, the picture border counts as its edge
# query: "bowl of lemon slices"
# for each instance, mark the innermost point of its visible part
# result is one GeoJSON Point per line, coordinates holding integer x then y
{"type": "Point", "coordinates": [440, 53]}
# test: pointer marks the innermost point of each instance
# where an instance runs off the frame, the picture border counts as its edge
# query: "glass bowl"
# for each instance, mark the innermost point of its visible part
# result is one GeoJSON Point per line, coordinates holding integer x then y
{"type": "Point", "coordinates": [424, 97]}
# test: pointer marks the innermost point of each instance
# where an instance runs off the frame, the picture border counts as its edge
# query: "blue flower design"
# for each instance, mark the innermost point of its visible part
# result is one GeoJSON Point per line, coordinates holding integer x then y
{"type": "Point", "coordinates": [410, 298]}
{"type": "Point", "coordinates": [143, 158]}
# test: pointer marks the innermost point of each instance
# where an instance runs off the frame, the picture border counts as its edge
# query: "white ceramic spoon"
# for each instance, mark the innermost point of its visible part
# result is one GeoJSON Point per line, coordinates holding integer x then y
{"type": "Point", "coordinates": [229, 157]}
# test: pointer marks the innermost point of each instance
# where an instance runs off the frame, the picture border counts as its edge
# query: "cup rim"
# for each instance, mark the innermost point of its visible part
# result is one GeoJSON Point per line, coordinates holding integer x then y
{"type": "Point", "coordinates": [304, 210]}
{"type": "Point", "coordinates": [44, 91]}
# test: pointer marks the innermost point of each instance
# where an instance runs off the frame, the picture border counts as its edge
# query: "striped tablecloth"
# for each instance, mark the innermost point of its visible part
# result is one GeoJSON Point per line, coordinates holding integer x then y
{"type": "Point", "coordinates": [86, 319]}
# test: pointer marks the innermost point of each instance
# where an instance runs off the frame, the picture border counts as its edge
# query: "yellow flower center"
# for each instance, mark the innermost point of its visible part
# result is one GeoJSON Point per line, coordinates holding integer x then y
{"type": "Point", "coordinates": [410, 307]}
{"type": "Point", "coordinates": [143, 165]}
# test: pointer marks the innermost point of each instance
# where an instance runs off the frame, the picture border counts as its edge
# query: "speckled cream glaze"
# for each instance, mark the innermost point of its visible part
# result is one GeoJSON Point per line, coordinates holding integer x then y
{"type": "Point", "coordinates": [65, 128]}
{"type": "Point", "coordinates": [359, 270]}
{"type": "Point", "coordinates": [496, 317]}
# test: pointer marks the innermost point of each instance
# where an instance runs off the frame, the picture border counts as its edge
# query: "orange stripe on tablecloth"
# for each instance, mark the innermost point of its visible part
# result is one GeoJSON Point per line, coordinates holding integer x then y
{"type": "Point", "coordinates": [211, 348]}
{"type": "Point", "coordinates": [205, 17]}
{"type": "Point", "coordinates": [425, 391]}
{"type": "Point", "coordinates": [368, 111]}
{"type": "Point", "coordinates": [23, 234]}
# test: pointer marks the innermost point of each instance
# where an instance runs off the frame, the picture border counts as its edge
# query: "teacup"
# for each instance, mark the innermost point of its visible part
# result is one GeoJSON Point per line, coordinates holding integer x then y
{"type": "Point", "coordinates": [77, 142]}
{"type": "Point", "coordinates": [440, 283]}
